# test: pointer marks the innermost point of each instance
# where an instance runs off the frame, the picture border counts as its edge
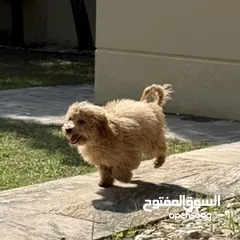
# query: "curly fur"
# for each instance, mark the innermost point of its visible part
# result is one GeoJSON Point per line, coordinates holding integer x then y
{"type": "Point", "coordinates": [114, 137]}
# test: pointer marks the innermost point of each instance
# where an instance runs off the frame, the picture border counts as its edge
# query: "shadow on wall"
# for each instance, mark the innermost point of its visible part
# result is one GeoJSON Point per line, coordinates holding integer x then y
{"type": "Point", "coordinates": [83, 16]}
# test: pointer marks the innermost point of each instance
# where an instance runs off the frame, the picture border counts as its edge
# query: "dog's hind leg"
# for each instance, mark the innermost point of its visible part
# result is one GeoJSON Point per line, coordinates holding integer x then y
{"type": "Point", "coordinates": [159, 161]}
{"type": "Point", "coordinates": [106, 177]}
{"type": "Point", "coordinates": [122, 170]}
{"type": "Point", "coordinates": [159, 152]}
{"type": "Point", "coordinates": [122, 174]}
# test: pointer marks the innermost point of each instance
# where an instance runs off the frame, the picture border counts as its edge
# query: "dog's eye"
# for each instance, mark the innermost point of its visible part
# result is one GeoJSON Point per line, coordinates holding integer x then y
{"type": "Point", "coordinates": [70, 119]}
{"type": "Point", "coordinates": [80, 121]}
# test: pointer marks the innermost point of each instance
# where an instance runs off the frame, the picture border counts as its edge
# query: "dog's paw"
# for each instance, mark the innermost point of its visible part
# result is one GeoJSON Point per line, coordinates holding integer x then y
{"type": "Point", "coordinates": [104, 184]}
{"type": "Point", "coordinates": [158, 162]}
{"type": "Point", "coordinates": [157, 165]}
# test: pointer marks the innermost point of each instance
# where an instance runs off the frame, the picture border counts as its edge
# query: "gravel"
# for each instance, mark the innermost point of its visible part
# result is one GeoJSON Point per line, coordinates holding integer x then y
{"type": "Point", "coordinates": [223, 225]}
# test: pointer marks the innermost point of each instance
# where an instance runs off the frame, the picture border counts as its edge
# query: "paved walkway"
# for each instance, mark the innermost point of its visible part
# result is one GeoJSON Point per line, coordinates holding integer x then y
{"type": "Point", "coordinates": [76, 208]}
{"type": "Point", "coordinates": [44, 104]}
{"type": "Point", "coordinates": [48, 105]}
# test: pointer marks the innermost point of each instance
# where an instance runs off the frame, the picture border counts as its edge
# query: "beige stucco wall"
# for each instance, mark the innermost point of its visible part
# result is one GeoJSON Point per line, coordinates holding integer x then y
{"type": "Point", "coordinates": [6, 21]}
{"type": "Point", "coordinates": [193, 45]}
{"type": "Point", "coordinates": [35, 21]}
{"type": "Point", "coordinates": [52, 21]}
{"type": "Point", "coordinates": [91, 11]}
{"type": "Point", "coordinates": [48, 21]}
{"type": "Point", "coordinates": [60, 23]}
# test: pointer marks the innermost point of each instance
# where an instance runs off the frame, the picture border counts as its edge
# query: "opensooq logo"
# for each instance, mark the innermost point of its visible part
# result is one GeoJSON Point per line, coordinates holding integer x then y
{"type": "Point", "coordinates": [188, 203]}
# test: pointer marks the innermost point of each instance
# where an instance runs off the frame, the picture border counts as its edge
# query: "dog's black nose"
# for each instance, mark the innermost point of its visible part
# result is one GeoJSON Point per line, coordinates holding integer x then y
{"type": "Point", "coordinates": [68, 130]}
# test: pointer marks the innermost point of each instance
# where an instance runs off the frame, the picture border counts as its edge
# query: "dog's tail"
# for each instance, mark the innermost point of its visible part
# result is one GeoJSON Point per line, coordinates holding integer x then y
{"type": "Point", "coordinates": [158, 93]}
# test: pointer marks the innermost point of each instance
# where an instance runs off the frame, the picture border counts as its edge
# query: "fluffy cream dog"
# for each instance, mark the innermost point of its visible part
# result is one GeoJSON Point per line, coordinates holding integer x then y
{"type": "Point", "coordinates": [115, 136]}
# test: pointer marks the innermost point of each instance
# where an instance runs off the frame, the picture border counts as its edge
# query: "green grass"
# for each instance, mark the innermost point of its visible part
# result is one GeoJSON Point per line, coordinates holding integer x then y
{"type": "Point", "coordinates": [32, 153]}
{"type": "Point", "coordinates": [25, 69]}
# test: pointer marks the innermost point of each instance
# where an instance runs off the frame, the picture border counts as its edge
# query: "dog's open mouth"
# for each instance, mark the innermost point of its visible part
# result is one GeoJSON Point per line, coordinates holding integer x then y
{"type": "Point", "coordinates": [76, 138]}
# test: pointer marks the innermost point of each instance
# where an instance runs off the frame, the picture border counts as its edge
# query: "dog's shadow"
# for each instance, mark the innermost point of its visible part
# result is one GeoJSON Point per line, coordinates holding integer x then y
{"type": "Point", "coordinates": [129, 199]}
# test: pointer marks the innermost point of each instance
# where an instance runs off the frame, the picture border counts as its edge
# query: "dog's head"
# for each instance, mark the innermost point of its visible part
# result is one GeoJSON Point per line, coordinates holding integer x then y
{"type": "Point", "coordinates": [85, 122]}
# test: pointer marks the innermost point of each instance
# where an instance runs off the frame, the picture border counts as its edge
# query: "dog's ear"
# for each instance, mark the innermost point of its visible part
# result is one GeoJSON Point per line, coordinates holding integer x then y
{"type": "Point", "coordinates": [102, 125]}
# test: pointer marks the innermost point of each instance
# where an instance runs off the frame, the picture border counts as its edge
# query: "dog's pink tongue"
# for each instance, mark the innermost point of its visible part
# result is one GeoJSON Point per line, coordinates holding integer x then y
{"type": "Point", "coordinates": [74, 138]}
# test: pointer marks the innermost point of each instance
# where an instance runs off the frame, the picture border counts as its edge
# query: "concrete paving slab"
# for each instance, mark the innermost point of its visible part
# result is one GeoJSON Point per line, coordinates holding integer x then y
{"type": "Point", "coordinates": [73, 208]}
{"type": "Point", "coordinates": [231, 152]}
{"type": "Point", "coordinates": [218, 131]}
{"type": "Point", "coordinates": [49, 104]}
{"type": "Point", "coordinates": [44, 104]}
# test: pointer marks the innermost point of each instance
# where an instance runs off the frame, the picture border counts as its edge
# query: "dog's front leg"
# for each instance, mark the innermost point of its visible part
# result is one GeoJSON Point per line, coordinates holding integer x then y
{"type": "Point", "coordinates": [106, 177]}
